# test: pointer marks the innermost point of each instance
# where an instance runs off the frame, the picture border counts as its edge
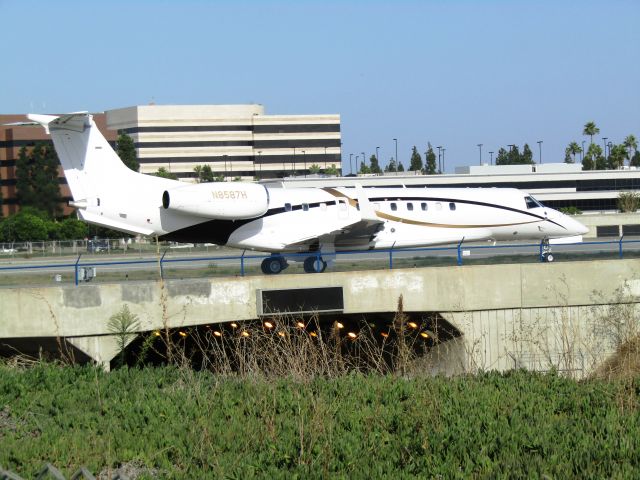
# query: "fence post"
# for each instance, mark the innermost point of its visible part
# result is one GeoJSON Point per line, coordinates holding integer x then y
{"type": "Point", "coordinates": [391, 256]}
{"type": "Point", "coordinates": [241, 263]}
{"type": "Point", "coordinates": [76, 268]}
{"type": "Point", "coordinates": [161, 269]}
{"type": "Point", "coordinates": [459, 252]}
{"type": "Point", "coordinates": [620, 246]}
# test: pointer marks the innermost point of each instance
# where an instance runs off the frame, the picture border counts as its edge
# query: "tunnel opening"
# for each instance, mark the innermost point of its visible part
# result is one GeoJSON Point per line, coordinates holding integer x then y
{"type": "Point", "coordinates": [311, 342]}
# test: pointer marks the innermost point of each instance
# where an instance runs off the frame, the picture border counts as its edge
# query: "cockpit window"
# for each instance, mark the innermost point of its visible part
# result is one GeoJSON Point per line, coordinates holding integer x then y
{"type": "Point", "coordinates": [533, 203]}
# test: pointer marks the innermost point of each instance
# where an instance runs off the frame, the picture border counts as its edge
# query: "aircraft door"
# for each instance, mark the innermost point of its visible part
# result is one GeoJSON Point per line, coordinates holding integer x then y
{"type": "Point", "coordinates": [343, 208]}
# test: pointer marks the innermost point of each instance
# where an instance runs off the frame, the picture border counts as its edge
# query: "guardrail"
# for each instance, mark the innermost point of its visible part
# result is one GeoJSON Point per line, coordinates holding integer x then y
{"type": "Point", "coordinates": [459, 251]}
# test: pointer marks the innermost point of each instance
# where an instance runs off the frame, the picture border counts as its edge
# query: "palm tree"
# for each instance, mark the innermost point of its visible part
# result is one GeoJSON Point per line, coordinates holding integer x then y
{"type": "Point", "coordinates": [590, 129]}
{"type": "Point", "coordinates": [631, 144]}
{"type": "Point", "coordinates": [574, 149]}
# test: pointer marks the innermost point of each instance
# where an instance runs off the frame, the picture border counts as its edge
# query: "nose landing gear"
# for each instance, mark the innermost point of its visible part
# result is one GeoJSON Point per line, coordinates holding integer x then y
{"type": "Point", "coordinates": [545, 251]}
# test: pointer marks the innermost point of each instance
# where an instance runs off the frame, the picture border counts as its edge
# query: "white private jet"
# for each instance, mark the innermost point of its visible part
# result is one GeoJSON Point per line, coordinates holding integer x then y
{"type": "Point", "coordinates": [319, 221]}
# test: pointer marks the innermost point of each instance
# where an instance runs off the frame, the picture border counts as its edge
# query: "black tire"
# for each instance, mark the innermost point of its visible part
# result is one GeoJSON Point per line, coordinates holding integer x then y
{"type": "Point", "coordinates": [271, 266]}
{"type": "Point", "coordinates": [308, 264]}
{"type": "Point", "coordinates": [549, 257]}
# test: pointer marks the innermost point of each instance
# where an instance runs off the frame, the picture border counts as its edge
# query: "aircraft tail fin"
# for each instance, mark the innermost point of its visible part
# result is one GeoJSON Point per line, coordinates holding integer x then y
{"type": "Point", "coordinates": [88, 161]}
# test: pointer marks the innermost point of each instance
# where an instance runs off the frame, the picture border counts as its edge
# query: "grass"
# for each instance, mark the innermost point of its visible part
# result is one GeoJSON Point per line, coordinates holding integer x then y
{"type": "Point", "coordinates": [188, 424]}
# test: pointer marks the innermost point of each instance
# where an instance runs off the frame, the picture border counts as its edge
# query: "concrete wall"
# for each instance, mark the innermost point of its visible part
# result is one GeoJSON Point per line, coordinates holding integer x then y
{"type": "Point", "coordinates": [509, 315]}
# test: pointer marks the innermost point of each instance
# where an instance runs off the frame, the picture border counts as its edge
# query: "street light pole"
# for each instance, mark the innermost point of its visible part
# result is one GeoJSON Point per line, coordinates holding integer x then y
{"type": "Point", "coordinates": [294, 161]}
{"type": "Point", "coordinates": [259, 162]}
{"type": "Point", "coordinates": [378, 156]}
{"type": "Point", "coordinates": [325, 157]}
{"type": "Point", "coordinates": [351, 163]}
{"type": "Point", "coordinates": [443, 164]}
{"type": "Point", "coordinates": [540, 149]}
{"type": "Point", "coordinates": [357, 168]}
{"type": "Point", "coordinates": [582, 153]}
{"type": "Point", "coordinates": [396, 141]}
{"type": "Point", "coordinates": [604, 140]}
{"type": "Point", "coordinates": [304, 153]}
{"type": "Point", "coordinates": [491, 158]}
{"type": "Point", "coordinates": [364, 159]}
{"type": "Point", "coordinates": [439, 164]}
{"type": "Point", "coordinates": [480, 147]}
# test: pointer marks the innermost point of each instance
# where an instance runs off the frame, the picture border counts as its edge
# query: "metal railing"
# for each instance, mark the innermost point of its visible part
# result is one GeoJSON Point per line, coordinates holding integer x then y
{"type": "Point", "coordinates": [458, 251]}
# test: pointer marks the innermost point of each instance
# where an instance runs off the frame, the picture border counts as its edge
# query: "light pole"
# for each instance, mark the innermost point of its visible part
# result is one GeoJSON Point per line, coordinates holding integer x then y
{"type": "Point", "coordinates": [396, 141]}
{"type": "Point", "coordinates": [351, 163]}
{"type": "Point", "coordinates": [480, 147]}
{"type": "Point", "coordinates": [225, 167]}
{"type": "Point", "coordinates": [357, 169]}
{"type": "Point", "coordinates": [439, 164]}
{"type": "Point", "coordinates": [378, 156]}
{"type": "Point", "coordinates": [325, 157]}
{"type": "Point", "coordinates": [540, 149]}
{"type": "Point", "coordinates": [364, 159]}
{"type": "Point", "coordinates": [609, 145]}
{"type": "Point", "coordinates": [443, 165]}
{"type": "Point", "coordinates": [604, 140]}
{"type": "Point", "coordinates": [491, 158]}
{"type": "Point", "coordinates": [582, 153]}
{"type": "Point", "coordinates": [294, 161]}
{"type": "Point", "coordinates": [259, 161]}
{"type": "Point", "coordinates": [304, 155]}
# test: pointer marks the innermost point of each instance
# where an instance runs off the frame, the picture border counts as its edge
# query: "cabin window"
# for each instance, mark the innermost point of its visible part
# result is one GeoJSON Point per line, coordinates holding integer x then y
{"type": "Point", "coordinates": [287, 207]}
{"type": "Point", "coordinates": [410, 206]}
{"type": "Point", "coordinates": [452, 206]}
{"type": "Point", "coordinates": [438, 206]}
{"type": "Point", "coordinates": [305, 207]}
{"type": "Point", "coordinates": [423, 205]}
{"type": "Point", "coordinates": [394, 206]}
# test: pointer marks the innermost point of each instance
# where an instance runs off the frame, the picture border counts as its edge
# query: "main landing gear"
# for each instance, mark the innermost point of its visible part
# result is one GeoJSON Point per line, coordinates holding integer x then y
{"type": "Point", "coordinates": [314, 265]}
{"type": "Point", "coordinates": [274, 264]}
{"type": "Point", "coordinates": [545, 253]}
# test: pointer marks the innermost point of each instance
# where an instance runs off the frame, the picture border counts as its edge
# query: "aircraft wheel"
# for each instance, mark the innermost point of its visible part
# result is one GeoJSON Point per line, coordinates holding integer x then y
{"type": "Point", "coordinates": [272, 265]}
{"type": "Point", "coordinates": [549, 257]}
{"type": "Point", "coordinates": [314, 265]}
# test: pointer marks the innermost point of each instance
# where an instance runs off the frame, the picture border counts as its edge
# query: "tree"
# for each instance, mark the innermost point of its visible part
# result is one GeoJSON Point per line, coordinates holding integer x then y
{"type": "Point", "coordinates": [314, 169]}
{"type": "Point", "coordinates": [400, 167]}
{"type": "Point", "coordinates": [164, 173]}
{"type": "Point", "coordinates": [630, 143]}
{"type": "Point", "coordinates": [332, 170]}
{"type": "Point", "coordinates": [590, 129]}
{"type": "Point", "coordinates": [514, 157]}
{"type": "Point", "coordinates": [24, 227]}
{"type": "Point", "coordinates": [416, 160]}
{"type": "Point", "coordinates": [635, 160]}
{"type": "Point", "coordinates": [502, 157]}
{"type": "Point", "coordinates": [430, 161]}
{"type": "Point", "coordinates": [37, 179]}
{"type": "Point", "coordinates": [593, 158]}
{"type": "Point", "coordinates": [617, 156]}
{"type": "Point", "coordinates": [527, 155]}
{"type": "Point", "coordinates": [391, 166]}
{"type": "Point", "coordinates": [126, 150]}
{"type": "Point", "coordinates": [374, 165]}
{"type": "Point", "coordinates": [364, 168]}
{"type": "Point", "coordinates": [572, 149]}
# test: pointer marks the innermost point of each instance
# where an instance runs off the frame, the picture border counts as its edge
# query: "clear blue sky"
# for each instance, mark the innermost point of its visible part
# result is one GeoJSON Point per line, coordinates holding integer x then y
{"type": "Point", "coordinates": [455, 73]}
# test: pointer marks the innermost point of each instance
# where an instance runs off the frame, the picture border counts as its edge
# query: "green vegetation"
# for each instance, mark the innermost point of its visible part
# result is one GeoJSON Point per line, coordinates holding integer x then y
{"type": "Point", "coordinates": [126, 150]}
{"type": "Point", "coordinates": [628, 201]}
{"type": "Point", "coordinates": [199, 425]}
{"type": "Point", "coordinates": [571, 210]}
{"type": "Point", "coordinates": [32, 225]}
{"type": "Point", "coordinates": [37, 179]}
{"type": "Point", "coordinates": [164, 173]}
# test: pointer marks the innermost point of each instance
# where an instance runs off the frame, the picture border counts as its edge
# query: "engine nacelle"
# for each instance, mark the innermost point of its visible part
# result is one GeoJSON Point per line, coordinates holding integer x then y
{"type": "Point", "coordinates": [221, 200]}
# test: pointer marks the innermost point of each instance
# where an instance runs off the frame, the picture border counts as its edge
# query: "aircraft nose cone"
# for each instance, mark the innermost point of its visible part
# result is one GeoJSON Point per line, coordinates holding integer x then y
{"type": "Point", "coordinates": [578, 227]}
